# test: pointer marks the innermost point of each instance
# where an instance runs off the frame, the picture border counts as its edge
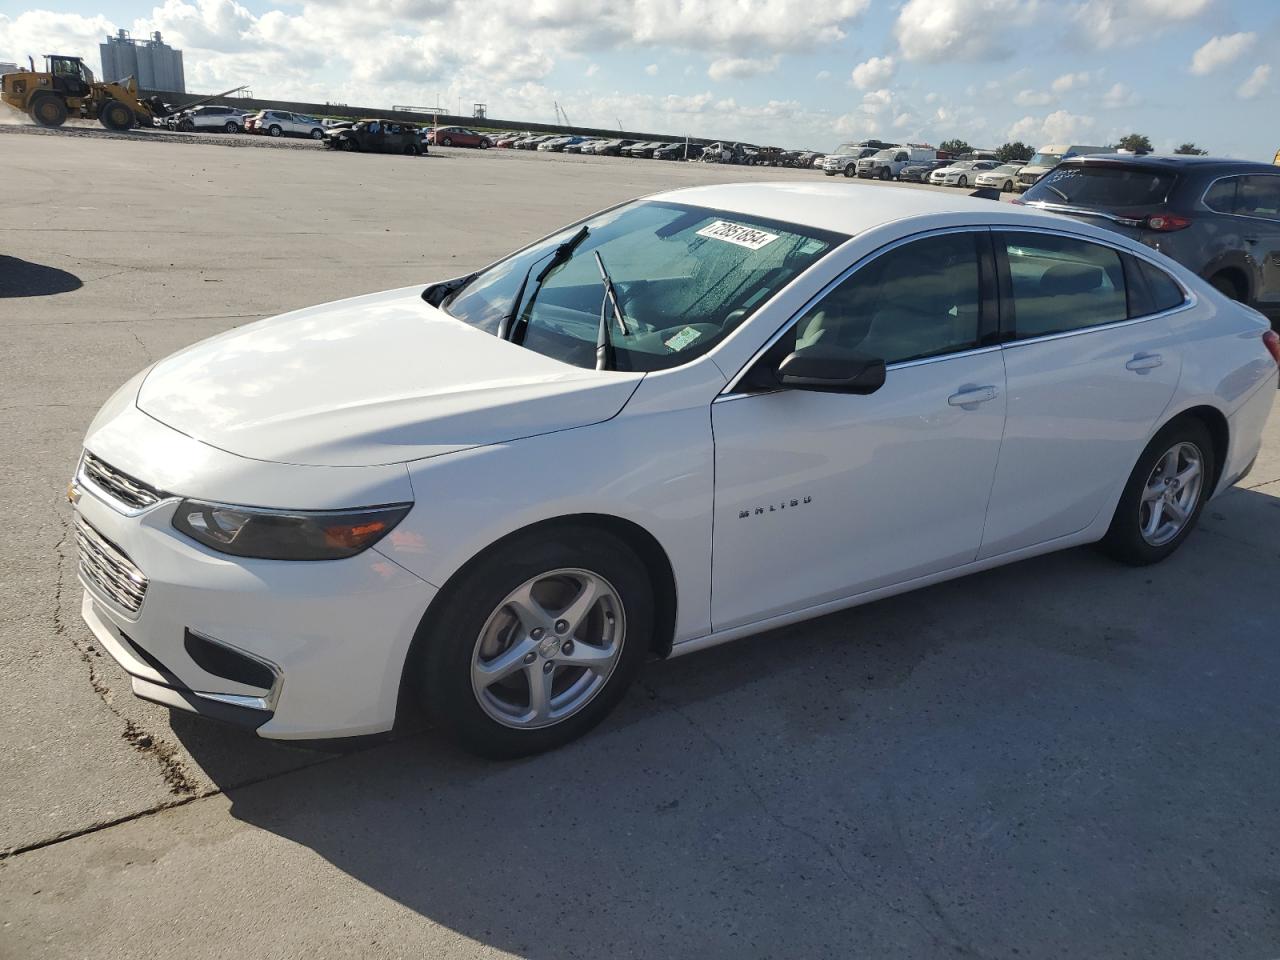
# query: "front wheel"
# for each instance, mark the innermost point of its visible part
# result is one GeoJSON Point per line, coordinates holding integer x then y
{"type": "Point", "coordinates": [317, 133]}
{"type": "Point", "coordinates": [230, 126]}
{"type": "Point", "coordinates": [964, 182]}
{"type": "Point", "coordinates": [484, 144]}
{"type": "Point", "coordinates": [1164, 496]}
{"type": "Point", "coordinates": [850, 171]}
{"type": "Point", "coordinates": [1008, 187]}
{"type": "Point", "coordinates": [116, 116]}
{"type": "Point", "coordinates": [538, 641]}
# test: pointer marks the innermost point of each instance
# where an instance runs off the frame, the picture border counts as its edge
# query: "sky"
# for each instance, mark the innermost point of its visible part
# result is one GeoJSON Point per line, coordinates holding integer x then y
{"type": "Point", "coordinates": [794, 73]}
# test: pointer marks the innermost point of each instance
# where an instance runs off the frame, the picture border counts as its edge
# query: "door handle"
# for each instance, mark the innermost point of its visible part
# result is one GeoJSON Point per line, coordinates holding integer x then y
{"type": "Point", "coordinates": [970, 397]}
{"type": "Point", "coordinates": [1143, 362]}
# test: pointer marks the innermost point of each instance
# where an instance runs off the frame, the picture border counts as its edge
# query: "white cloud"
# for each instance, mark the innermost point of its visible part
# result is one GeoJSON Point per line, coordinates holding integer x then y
{"type": "Point", "coordinates": [1256, 83]}
{"type": "Point", "coordinates": [740, 68]}
{"type": "Point", "coordinates": [1220, 51]}
{"type": "Point", "coordinates": [1071, 81]}
{"type": "Point", "coordinates": [1110, 23]}
{"type": "Point", "coordinates": [823, 75]}
{"type": "Point", "coordinates": [1058, 127]}
{"type": "Point", "coordinates": [651, 69]}
{"type": "Point", "coordinates": [875, 72]}
{"type": "Point", "coordinates": [1120, 96]}
{"type": "Point", "coordinates": [37, 32]}
{"type": "Point", "coordinates": [945, 30]}
{"type": "Point", "coordinates": [592, 69]}
{"type": "Point", "coordinates": [1032, 98]}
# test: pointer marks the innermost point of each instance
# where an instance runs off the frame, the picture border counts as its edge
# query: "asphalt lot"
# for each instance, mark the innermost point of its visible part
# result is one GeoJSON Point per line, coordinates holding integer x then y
{"type": "Point", "coordinates": [1060, 758]}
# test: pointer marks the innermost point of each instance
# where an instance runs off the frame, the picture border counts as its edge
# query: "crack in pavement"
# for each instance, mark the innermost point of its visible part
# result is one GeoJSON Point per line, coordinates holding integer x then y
{"type": "Point", "coordinates": [956, 943]}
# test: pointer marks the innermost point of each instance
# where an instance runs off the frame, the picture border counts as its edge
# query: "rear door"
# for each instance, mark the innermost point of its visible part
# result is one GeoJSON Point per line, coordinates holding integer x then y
{"type": "Point", "coordinates": [1092, 365]}
{"type": "Point", "coordinates": [1258, 202]}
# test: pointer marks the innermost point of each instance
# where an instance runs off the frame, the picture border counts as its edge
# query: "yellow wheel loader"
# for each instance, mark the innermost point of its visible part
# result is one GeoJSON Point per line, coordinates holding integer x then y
{"type": "Point", "coordinates": [67, 88]}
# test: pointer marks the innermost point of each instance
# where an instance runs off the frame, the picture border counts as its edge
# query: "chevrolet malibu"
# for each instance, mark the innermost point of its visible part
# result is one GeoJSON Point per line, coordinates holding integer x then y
{"type": "Point", "coordinates": [683, 420]}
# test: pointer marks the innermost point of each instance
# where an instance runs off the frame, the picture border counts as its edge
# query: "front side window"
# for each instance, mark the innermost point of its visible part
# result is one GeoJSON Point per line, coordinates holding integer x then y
{"type": "Point", "coordinates": [685, 277]}
{"type": "Point", "coordinates": [922, 299]}
{"type": "Point", "coordinates": [1061, 284]}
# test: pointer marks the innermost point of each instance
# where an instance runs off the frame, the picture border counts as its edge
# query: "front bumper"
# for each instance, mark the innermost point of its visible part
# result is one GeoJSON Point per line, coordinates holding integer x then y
{"type": "Point", "coordinates": [330, 637]}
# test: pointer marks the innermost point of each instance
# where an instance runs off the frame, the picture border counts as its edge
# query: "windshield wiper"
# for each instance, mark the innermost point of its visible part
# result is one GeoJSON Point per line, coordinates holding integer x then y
{"type": "Point", "coordinates": [604, 344]}
{"type": "Point", "coordinates": [1050, 186]}
{"type": "Point", "coordinates": [511, 323]}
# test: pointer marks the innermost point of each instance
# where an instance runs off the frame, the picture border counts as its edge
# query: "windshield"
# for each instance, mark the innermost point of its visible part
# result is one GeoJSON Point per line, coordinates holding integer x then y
{"type": "Point", "coordinates": [963, 165]}
{"type": "Point", "coordinates": [1045, 160]}
{"type": "Point", "coordinates": [685, 278]}
{"type": "Point", "coordinates": [847, 148]}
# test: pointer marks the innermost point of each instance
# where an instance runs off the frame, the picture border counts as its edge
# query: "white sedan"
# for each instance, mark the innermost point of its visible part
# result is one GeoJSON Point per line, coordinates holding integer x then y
{"type": "Point", "coordinates": [680, 421]}
{"type": "Point", "coordinates": [962, 173]}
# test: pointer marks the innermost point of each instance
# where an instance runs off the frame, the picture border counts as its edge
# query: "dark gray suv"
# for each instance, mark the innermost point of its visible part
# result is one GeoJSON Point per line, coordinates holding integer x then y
{"type": "Point", "coordinates": [1221, 218]}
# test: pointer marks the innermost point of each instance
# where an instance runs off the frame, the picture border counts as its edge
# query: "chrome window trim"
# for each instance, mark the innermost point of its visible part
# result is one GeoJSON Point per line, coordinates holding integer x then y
{"type": "Point", "coordinates": [1239, 216]}
{"type": "Point", "coordinates": [731, 387]}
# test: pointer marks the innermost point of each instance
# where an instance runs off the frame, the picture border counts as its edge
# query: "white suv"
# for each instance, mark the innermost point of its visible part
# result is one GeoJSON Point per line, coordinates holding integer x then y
{"type": "Point", "coordinates": [209, 118]}
{"type": "Point", "coordinates": [277, 123]}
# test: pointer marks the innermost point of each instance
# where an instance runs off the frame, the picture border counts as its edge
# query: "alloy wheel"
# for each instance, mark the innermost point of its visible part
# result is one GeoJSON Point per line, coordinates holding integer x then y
{"type": "Point", "coordinates": [1171, 493]}
{"type": "Point", "coordinates": [548, 648]}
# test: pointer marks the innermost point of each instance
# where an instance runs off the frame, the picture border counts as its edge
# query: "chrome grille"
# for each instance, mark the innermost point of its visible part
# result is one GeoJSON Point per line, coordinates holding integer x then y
{"type": "Point", "coordinates": [109, 569]}
{"type": "Point", "coordinates": [133, 493]}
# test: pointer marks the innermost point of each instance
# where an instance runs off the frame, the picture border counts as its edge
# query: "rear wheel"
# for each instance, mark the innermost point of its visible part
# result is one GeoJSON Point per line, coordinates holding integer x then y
{"type": "Point", "coordinates": [537, 642]}
{"type": "Point", "coordinates": [447, 141]}
{"type": "Point", "coordinates": [275, 130]}
{"type": "Point", "coordinates": [48, 111]}
{"type": "Point", "coordinates": [1164, 496]}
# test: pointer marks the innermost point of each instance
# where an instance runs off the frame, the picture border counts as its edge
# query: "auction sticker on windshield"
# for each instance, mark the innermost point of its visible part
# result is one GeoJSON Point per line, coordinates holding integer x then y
{"type": "Point", "coordinates": [742, 235]}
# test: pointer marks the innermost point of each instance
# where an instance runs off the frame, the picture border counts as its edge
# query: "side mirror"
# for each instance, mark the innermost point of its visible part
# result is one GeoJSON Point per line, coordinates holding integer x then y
{"type": "Point", "coordinates": [831, 370]}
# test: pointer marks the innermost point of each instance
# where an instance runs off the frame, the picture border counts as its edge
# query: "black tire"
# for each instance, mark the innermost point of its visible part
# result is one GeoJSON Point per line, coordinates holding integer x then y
{"type": "Point", "coordinates": [275, 130]}
{"type": "Point", "coordinates": [115, 115]}
{"type": "Point", "coordinates": [1008, 187]}
{"type": "Point", "coordinates": [230, 126]}
{"type": "Point", "coordinates": [485, 144]}
{"type": "Point", "coordinates": [443, 668]}
{"type": "Point", "coordinates": [1124, 540]}
{"type": "Point", "coordinates": [447, 142]}
{"type": "Point", "coordinates": [964, 182]}
{"type": "Point", "coordinates": [850, 171]}
{"type": "Point", "coordinates": [48, 111]}
{"type": "Point", "coordinates": [187, 125]}
{"type": "Point", "coordinates": [1226, 284]}
{"type": "Point", "coordinates": [317, 133]}
{"type": "Point", "coordinates": [884, 173]}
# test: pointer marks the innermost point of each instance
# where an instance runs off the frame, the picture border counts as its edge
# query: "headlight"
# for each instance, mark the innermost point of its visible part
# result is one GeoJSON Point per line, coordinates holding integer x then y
{"type": "Point", "coordinates": [286, 534]}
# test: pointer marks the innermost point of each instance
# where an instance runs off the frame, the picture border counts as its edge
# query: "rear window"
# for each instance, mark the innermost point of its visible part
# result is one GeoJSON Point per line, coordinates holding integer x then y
{"type": "Point", "coordinates": [1106, 187]}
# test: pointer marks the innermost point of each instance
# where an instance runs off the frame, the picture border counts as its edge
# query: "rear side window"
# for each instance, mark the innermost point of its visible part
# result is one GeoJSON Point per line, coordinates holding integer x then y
{"type": "Point", "coordinates": [1106, 187]}
{"type": "Point", "coordinates": [1061, 284]}
{"type": "Point", "coordinates": [1164, 291]}
{"type": "Point", "coordinates": [1247, 196]}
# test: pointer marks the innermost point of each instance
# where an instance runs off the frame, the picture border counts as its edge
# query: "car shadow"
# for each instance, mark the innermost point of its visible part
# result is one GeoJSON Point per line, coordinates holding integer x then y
{"type": "Point", "coordinates": [1034, 759]}
{"type": "Point", "coordinates": [22, 278]}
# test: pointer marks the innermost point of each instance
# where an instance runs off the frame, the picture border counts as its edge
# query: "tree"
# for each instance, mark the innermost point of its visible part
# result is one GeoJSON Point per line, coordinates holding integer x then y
{"type": "Point", "coordinates": [1137, 142]}
{"type": "Point", "coordinates": [1016, 151]}
{"type": "Point", "coordinates": [1191, 150]}
{"type": "Point", "coordinates": [955, 147]}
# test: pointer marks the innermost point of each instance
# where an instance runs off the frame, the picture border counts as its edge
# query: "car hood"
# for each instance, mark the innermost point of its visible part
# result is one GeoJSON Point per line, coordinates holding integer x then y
{"type": "Point", "coordinates": [379, 379]}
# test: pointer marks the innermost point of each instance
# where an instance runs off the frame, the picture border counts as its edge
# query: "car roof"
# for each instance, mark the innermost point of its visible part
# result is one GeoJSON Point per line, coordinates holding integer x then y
{"type": "Point", "coordinates": [1173, 162]}
{"type": "Point", "coordinates": [835, 206]}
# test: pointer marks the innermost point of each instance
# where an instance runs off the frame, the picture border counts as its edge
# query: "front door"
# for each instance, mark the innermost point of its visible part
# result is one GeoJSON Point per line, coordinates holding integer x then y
{"type": "Point", "coordinates": [820, 496]}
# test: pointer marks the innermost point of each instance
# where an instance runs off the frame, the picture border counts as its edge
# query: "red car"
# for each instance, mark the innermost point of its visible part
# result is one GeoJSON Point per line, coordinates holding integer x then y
{"type": "Point", "coordinates": [459, 137]}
